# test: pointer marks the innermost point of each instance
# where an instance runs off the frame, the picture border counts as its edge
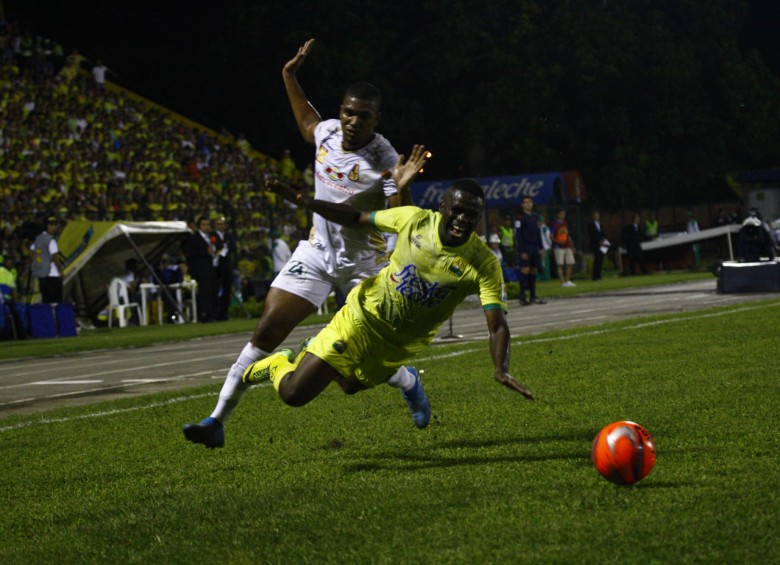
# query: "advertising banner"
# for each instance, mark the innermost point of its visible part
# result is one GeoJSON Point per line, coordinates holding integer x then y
{"type": "Point", "coordinates": [545, 188]}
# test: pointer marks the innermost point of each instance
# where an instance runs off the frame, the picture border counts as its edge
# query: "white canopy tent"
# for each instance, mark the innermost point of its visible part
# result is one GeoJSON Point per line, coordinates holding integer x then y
{"type": "Point", "coordinates": [95, 252]}
{"type": "Point", "coordinates": [682, 238]}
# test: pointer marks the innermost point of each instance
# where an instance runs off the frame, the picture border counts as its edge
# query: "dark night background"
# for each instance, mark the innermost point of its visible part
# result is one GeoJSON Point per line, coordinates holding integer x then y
{"type": "Point", "coordinates": [653, 101]}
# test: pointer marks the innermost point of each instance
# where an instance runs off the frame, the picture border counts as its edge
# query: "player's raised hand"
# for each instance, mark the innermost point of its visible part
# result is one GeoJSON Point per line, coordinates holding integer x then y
{"type": "Point", "coordinates": [292, 66]}
{"type": "Point", "coordinates": [404, 171]}
{"type": "Point", "coordinates": [509, 382]}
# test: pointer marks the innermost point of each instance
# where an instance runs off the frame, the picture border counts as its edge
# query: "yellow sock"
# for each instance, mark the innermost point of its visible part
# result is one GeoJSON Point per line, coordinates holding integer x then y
{"type": "Point", "coordinates": [281, 368]}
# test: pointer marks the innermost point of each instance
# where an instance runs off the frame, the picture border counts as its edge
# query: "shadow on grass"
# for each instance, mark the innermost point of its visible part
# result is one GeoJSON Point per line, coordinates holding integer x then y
{"type": "Point", "coordinates": [661, 484]}
{"type": "Point", "coordinates": [407, 462]}
{"type": "Point", "coordinates": [581, 435]}
{"type": "Point", "coordinates": [428, 459]}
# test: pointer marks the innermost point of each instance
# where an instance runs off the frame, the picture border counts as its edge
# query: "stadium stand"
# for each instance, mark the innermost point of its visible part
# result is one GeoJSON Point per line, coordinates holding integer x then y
{"type": "Point", "coordinates": [70, 149]}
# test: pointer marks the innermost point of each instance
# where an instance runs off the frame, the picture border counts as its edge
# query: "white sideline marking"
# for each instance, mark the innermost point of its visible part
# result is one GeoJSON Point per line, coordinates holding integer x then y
{"type": "Point", "coordinates": [65, 382]}
{"type": "Point", "coordinates": [428, 358]}
{"type": "Point", "coordinates": [146, 367]}
{"type": "Point", "coordinates": [102, 389]}
{"type": "Point", "coordinates": [117, 411]}
{"type": "Point", "coordinates": [142, 381]}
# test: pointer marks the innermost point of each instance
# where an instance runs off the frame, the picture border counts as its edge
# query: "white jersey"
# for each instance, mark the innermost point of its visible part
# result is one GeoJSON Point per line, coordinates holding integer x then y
{"type": "Point", "coordinates": [359, 178]}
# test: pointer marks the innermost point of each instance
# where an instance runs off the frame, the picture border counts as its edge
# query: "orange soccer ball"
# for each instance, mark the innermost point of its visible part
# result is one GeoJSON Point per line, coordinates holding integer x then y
{"type": "Point", "coordinates": [624, 452]}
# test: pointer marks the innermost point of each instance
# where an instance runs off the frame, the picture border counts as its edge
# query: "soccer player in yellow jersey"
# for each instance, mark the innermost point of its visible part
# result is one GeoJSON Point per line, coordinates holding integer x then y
{"type": "Point", "coordinates": [388, 318]}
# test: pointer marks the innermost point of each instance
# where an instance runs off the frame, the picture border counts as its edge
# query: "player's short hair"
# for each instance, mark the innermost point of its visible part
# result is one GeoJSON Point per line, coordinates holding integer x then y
{"type": "Point", "coordinates": [469, 185]}
{"type": "Point", "coordinates": [364, 91]}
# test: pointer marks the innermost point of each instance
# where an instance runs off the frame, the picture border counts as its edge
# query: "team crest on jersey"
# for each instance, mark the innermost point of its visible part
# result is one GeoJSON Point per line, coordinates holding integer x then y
{"type": "Point", "coordinates": [457, 268]}
{"type": "Point", "coordinates": [322, 153]}
{"type": "Point", "coordinates": [354, 174]}
{"type": "Point", "coordinates": [339, 346]}
{"type": "Point", "coordinates": [416, 289]}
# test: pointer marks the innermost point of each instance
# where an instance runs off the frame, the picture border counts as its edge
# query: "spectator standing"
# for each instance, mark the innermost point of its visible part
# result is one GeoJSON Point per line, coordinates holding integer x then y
{"type": "Point", "coordinates": [599, 244]}
{"type": "Point", "coordinates": [8, 293]}
{"type": "Point", "coordinates": [280, 251]}
{"type": "Point", "coordinates": [544, 230]}
{"type": "Point", "coordinates": [226, 250]}
{"type": "Point", "coordinates": [8, 279]}
{"type": "Point", "coordinates": [563, 248]}
{"type": "Point", "coordinates": [632, 238]}
{"type": "Point", "coordinates": [200, 252]}
{"type": "Point", "coordinates": [651, 228]}
{"type": "Point", "coordinates": [528, 239]}
{"type": "Point", "coordinates": [308, 177]}
{"type": "Point", "coordinates": [507, 234]}
{"type": "Point", "coordinates": [693, 227]}
{"type": "Point", "coordinates": [47, 265]}
{"type": "Point", "coordinates": [287, 165]}
{"type": "Point", "coordinates": [99, 75]}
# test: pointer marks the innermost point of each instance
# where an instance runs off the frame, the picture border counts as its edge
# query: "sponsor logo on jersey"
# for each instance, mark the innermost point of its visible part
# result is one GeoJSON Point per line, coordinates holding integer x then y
{"type": "Point", "coordinates": [416, 289]}
{"type": "Point", "coordinates": [333, 182]}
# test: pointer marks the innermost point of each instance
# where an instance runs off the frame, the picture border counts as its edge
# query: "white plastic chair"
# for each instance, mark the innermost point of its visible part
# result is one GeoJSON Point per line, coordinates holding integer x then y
{"type": "Point", "coordinates": [119, 302]}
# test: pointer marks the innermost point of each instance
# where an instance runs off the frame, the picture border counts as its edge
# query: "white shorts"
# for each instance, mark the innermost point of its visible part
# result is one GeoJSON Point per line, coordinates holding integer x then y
{"type": "Point", "coordinates": [306, 275]}
{"type": "Point", "coordinates": [564, 256]}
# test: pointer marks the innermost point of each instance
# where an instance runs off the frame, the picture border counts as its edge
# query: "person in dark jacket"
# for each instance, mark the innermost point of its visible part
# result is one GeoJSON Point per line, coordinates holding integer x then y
{"type": "Point", "coordinates": [599, 244]}
{"type": "Point", "coordinates": [200, 252]}
{"type": "Point", "coordinates": [632, 241]}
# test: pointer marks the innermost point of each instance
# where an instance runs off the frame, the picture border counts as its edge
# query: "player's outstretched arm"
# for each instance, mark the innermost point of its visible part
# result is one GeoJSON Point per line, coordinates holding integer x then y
{"type": "Point", "coordinates": [499, 351]}
{"type": "Point", "coordinates": [404, 173]}
{"type": "Point", "coordinates": [306, 116]}
{"type": "Point", "coordinates": [338, 213]}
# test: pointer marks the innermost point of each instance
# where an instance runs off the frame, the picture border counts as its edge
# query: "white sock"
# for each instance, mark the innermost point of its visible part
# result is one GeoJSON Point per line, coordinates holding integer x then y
{"type": "Point", "coordinates": [402, 379]}
{"type": "Point", "coordinates": [234, 388]}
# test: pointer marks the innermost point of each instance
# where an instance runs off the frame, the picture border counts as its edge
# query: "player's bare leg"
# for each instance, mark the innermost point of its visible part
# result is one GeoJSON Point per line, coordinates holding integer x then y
{"type": "Point", "coordinates": [283, 311]}
{"type": "Point", "coordinates": [297, 380]}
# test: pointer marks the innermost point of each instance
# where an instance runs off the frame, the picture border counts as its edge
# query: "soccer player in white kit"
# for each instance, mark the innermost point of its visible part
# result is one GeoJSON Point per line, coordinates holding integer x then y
{"type": "Point", "coordinates": [353, 165]}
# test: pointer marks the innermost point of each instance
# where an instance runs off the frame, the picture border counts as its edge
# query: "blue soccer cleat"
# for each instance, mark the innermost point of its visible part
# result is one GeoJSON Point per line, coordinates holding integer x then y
{"type": "Point", "coordinates": [417, 400]}
{"type": "Point", "coordinates": [210, 432]}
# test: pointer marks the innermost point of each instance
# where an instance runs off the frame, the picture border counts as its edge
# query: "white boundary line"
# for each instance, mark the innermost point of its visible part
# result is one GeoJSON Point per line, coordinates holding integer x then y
{"type": "Point", "coordinates": [519, 341]}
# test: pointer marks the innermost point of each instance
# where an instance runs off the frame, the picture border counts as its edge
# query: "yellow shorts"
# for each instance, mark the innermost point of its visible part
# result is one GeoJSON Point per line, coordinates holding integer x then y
{"type": "Point", "coordinates": [349, 345]}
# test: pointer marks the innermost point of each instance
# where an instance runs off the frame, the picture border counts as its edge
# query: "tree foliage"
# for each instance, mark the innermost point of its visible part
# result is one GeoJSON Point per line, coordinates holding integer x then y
{"type": "Point", "coordinates": [652, 101]}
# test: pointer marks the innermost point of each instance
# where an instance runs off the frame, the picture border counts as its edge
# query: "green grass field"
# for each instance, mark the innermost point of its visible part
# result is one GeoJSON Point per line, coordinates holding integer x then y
{"type": "Point", "coordinates": [493, 479]}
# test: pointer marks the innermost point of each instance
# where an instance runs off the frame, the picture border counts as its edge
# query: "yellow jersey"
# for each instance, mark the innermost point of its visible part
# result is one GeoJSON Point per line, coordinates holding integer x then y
{"type": "Point", "coordinates": [407, 301]}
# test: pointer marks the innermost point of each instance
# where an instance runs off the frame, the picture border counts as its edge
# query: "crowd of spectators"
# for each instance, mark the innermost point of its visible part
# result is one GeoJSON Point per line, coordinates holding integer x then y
{"type": "Point", "coordinates": [76, 148]}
